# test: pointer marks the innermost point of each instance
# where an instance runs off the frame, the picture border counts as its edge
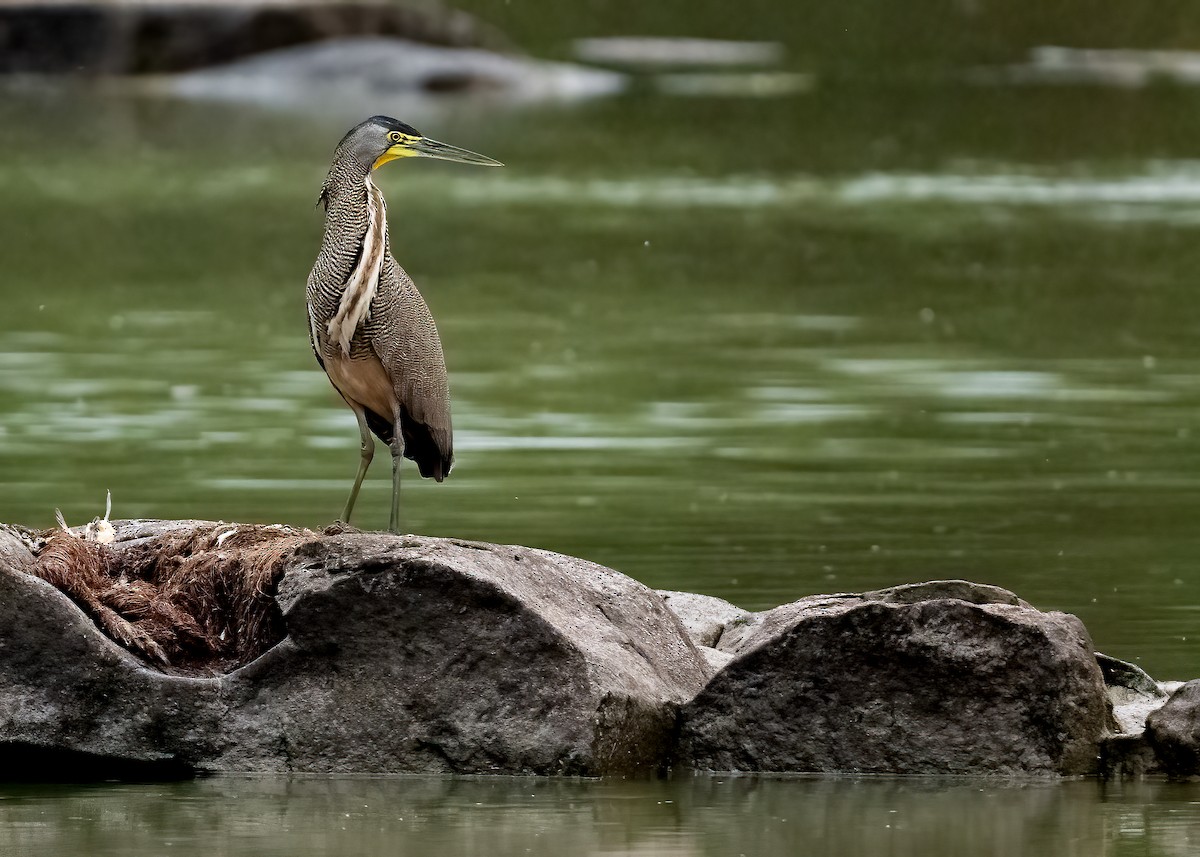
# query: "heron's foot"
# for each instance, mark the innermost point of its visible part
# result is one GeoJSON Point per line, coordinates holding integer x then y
{"type": "Point", "coordinates": [340, 527]}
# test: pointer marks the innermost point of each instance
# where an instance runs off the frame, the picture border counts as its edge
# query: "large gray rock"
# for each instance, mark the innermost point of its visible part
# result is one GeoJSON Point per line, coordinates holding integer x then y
{"type": "Point", "coordinates": [401, 655]}
{"type": "Point", "coordinates": [1174, 731]}
{"type": "Point", "coordinates": [944, 677]}
{"type": "Point", "coordinates": [432, 655]}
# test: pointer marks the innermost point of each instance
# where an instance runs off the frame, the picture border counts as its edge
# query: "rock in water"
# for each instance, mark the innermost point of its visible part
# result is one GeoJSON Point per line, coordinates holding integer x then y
{"type": "Point", "coordinates": [1174, 731]}
{"type": "Point", "coordinates": [413, 654]}
{"type": "Point", "coordinates": [940, 678]}
{"type": "Point", "coordinates": [401, 655]}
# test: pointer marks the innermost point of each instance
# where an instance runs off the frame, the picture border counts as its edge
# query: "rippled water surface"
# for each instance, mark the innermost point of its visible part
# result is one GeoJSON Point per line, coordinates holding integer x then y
{"type": "Point", "coordinates": [755, 348]}
{"type": "Point", "coordinates": [820, 353]}
{"type": "Point", "coordinates": [235, 817]}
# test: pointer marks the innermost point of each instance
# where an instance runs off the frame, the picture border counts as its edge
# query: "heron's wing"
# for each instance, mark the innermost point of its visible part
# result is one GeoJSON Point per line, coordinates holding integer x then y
{"type": "Point", "coordinates": [401, 332]}
{"type": "Point", "coordinates": [314, 337]}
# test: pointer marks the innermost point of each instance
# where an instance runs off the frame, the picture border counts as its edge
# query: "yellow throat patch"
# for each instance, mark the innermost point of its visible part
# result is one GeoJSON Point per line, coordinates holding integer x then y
{"type": "Point", "coordinates": [401, 148]}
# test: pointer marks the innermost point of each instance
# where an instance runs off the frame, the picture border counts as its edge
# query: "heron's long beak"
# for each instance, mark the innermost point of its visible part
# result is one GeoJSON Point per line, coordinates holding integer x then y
{"type": "Point", "coordinates": [411, 147]}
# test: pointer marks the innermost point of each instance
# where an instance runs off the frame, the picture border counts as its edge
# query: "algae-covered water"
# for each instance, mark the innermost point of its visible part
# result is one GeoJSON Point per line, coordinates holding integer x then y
{"type": "Point", "coordinates": [753, 347]}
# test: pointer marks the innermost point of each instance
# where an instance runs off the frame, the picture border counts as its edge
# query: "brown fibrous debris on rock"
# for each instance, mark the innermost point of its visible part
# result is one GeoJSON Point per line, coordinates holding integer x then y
{"type": "Point", "coordinates": [192, 601]}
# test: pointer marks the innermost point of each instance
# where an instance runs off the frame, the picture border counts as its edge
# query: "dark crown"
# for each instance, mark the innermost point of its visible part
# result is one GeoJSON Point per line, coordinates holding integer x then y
{"type": "Point", "coordinates": [394, 125]}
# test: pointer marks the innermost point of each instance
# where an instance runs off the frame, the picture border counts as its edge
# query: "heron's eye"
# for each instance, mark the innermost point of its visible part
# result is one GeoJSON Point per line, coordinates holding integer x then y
{"type": "Point", "coordinates": [395, 136]}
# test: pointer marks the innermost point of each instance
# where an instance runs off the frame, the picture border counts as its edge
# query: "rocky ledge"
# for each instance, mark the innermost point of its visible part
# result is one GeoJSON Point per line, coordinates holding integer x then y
{"type": "Point", "coordinates": [168, 648]}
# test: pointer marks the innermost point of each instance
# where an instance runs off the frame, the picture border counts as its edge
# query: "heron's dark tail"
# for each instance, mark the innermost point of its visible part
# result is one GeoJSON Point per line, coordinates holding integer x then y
{"type": "Point", "coordinates": [430, 448]}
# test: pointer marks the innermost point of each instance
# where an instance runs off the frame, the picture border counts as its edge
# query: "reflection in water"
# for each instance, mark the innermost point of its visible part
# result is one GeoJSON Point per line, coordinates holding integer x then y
{"type": "Point", "coordinates": [689, 817]}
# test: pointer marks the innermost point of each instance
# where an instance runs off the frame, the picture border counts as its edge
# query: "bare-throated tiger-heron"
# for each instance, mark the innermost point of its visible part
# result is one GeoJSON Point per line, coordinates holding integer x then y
{"type": "Point", "coordinates": [370, 328]}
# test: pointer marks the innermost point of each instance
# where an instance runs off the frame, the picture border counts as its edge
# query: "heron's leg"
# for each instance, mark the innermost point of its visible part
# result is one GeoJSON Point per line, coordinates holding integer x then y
{"type": "Point", "coordinates": [397, 459]}
{"type": "Point", "coordinates": [367, 449]}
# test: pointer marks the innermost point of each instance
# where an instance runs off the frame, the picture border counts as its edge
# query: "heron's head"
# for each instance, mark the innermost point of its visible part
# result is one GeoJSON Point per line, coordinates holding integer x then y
{"type": "Point", "coordinates": [381, 139]}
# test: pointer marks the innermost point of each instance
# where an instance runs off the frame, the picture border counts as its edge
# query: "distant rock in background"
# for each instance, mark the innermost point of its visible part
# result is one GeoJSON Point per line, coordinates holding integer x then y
{"type": "Point", "coordinates": [648, 51]}
{"type": "Point", "coordinates": [282, 53]}
{"type": "Point", "coordinates": [699, 67]}
{"type": "Point", "coordinates": [735, 85]}
{"type": "Point", "coordinates": [127, 37]}
{"type": "Point", "coordinates": [289, 53]}
{"type": "Point", "coordinates": [370, 68]}
{"type": "Point", "coordinates": [1130, 68]}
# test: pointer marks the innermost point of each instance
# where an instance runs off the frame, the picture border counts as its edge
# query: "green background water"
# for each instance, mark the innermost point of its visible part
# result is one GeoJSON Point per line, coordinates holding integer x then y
{"type": "Point", "coordinates": [757, 348]}
{"type": "Point", "coordinates": [694, 817]}
{"type": "Point", "coordinates": [896, 328]}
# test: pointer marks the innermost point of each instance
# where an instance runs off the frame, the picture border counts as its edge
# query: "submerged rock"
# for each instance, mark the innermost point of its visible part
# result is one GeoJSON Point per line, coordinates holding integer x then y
{"type": "Point", "coordinates": [945, 677]}
{"type": "Point", "coordinates": [400, 655]}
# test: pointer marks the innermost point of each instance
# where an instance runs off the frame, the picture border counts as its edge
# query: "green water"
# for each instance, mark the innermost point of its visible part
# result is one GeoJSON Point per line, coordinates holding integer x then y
{"type": "Point", "coordinates": [848, 817]}
{"type": "Point", "coordinates": [756, 348]}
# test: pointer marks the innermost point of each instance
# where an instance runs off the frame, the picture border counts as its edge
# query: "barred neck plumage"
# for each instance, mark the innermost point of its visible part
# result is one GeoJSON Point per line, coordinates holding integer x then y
{"type": "Point", "coordinates": [356, 216]}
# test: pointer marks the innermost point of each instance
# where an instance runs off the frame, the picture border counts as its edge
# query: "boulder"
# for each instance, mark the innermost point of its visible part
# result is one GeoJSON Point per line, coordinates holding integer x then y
{"type": "Point", "coordinates": [935, 678]}
{"type": "Point", "coordinates": [188, 646]}
{"type": "Point", "coordinates": [1174, 731]}
{"type": "Point", "coordinates": [157, 36]}
{"type": "Point", "coordinates": [400, 654]}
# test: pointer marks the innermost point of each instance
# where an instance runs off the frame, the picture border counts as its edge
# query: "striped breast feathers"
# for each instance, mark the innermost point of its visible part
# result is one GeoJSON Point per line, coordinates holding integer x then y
{"type": "Point", "coordinates": [355, 304]}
